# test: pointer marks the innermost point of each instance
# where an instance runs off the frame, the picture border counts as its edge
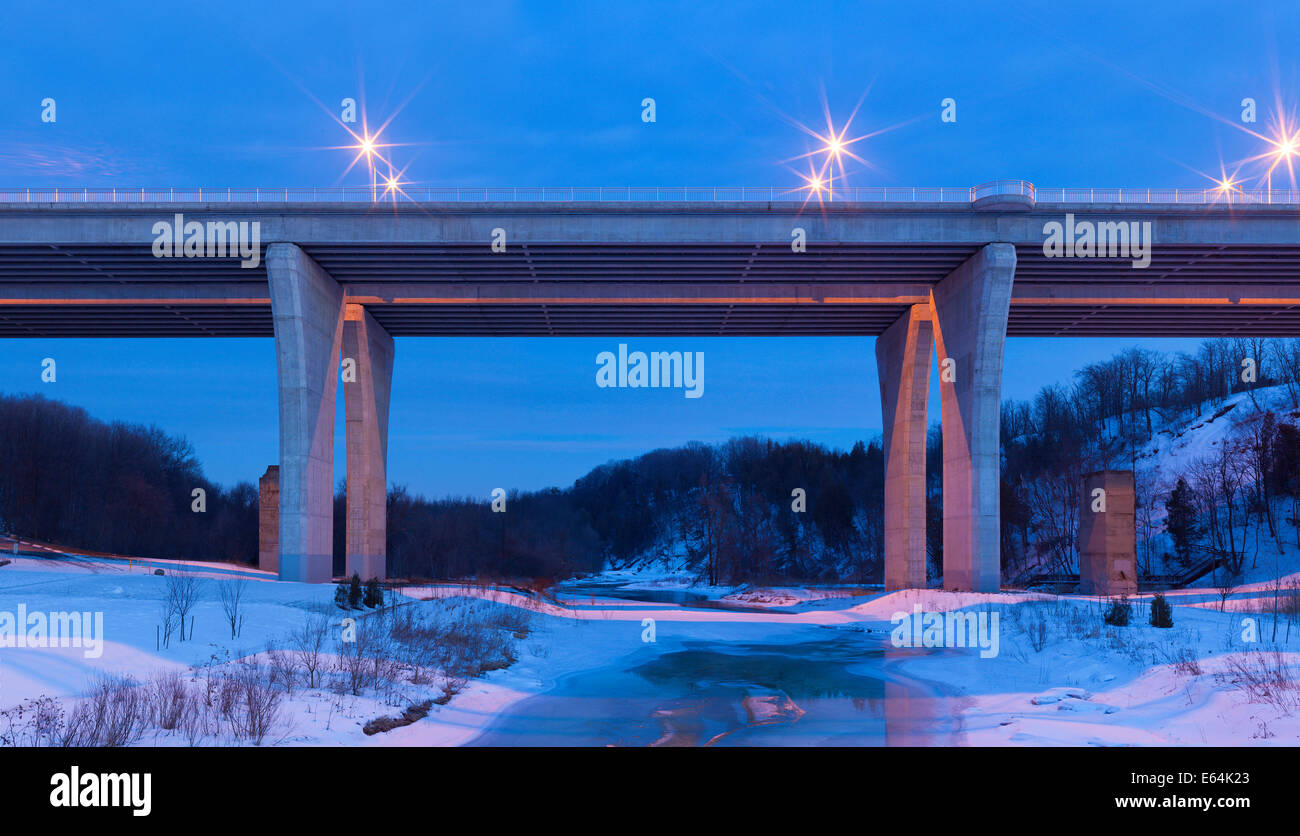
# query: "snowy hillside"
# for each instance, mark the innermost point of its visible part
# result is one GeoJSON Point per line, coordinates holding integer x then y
{"type": "Point", "coordinates": [1216, 452]}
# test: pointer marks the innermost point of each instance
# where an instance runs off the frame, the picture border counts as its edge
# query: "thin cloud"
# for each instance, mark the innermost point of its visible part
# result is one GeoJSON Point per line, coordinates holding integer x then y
{"type": "Point", "coordinates": [45, 160]}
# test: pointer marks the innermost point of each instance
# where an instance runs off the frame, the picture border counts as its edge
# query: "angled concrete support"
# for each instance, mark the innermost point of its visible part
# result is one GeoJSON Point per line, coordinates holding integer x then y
{"type": "Point", "coordinates": [970, 321]}
{"type": "Point", "coordinates": [307, 310]}
{"type": "Point", "coordinates": [365, 401]}
{"type": "Point", "coordinates": [903, 366]}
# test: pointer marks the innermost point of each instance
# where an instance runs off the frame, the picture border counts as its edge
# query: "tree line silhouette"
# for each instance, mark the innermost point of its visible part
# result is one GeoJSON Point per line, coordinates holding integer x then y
{"type": "Point", "coordinates": [70, 479]}
{"type": "Point", "coordinates": [750, 509]}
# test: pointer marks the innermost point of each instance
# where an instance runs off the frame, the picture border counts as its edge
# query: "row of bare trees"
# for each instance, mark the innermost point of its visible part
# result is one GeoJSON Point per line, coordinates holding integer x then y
{"type": "Point", "coordinates": [1127, 395]}
{"type": "Point", "coordinates": [540, 534]}
{"type": "Point", "coordinates": [751, 509]}
{"type": "Point", "coordinates": [1246, 495]}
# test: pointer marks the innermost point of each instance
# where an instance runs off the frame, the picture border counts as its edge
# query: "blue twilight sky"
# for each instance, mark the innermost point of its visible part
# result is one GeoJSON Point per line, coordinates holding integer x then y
{"type": "Point", "coordinates": [549, 93]}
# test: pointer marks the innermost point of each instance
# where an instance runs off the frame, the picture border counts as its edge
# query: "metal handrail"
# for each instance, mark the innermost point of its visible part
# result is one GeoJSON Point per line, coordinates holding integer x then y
{"type": "Point", "coordinates": [628, 194]}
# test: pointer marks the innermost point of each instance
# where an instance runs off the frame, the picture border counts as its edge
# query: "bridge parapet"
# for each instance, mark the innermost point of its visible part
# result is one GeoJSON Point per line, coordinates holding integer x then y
{"type": "Point", "coordinates": [1003, 195]}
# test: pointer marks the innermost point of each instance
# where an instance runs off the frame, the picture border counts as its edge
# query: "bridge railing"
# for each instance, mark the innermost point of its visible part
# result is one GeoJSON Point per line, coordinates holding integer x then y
{"type": "Point", "coordinates": [630, 194]}
{"type": "Point", "coordinates": [1195, 196]}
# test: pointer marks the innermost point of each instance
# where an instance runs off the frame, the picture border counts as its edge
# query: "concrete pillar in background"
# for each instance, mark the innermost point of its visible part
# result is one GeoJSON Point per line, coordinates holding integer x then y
{"type": "Point", "coordinates": [970, 321]}
{"type": "Point", "coordinates": [365, 401]}
{"type": "Point", "coordinates": [307, 310]}
{"type": "Point", "coordinates": [903, 368]}
{"type": "Point", "coordinates": [268, 520]}
{"type": "Point", "coordinates": [1108, 533]}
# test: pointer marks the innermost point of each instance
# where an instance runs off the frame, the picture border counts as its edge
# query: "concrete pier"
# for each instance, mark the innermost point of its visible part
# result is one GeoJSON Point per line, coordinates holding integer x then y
{"type": "Point", "coordinates": [268, 520]}
{"type": "Point", "coordinates": [307, 312]}
{"type": "Point", "coordinates": [903, 365]}
{"type": "Point", "coordinates": [1108, 534]}
{"type": "Point", "coordinates": [970, 320]}
{"type": "Point", "coordinates": [365, 401]}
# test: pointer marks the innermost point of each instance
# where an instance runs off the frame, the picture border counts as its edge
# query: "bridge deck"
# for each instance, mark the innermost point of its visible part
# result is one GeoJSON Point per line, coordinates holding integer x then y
{"type": "Point", "coordinates": [647, 269]}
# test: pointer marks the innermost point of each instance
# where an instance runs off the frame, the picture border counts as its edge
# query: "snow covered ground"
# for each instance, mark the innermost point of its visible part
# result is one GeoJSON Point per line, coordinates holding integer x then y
{"type": "Point", "coordinates": [1060, 675]}
{"type": "Point", "coordinates": [130, 599]}
{"type": "Point", "coordinates": [1063, 676]}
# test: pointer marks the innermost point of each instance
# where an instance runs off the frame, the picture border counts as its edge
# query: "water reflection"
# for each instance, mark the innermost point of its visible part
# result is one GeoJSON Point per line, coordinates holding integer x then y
{"type": "Point", "coordinates": [818, 693]}
{"type": "Point", "coordinates": [583, 593]}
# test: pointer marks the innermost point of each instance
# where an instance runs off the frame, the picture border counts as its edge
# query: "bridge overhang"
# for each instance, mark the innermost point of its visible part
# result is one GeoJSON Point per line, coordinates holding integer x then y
{"type": "Point", "coordinates": [664, 268]}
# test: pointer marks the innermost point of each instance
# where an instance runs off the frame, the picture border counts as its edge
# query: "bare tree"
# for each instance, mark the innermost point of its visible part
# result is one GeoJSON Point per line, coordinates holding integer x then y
{"type": "Point", "coordinates": [355, 655]}
{"type": "Point", "coordinates": [1260, 436]}
{"type": "Point", "coordinates": [283, 666]}
{"type": "Point", "coordinates": [308, 644]}
{"type": "Point", "coordinates": [1149, 490]}
{"type": "Point", "coordinates": [1217, 485]}
{"type": "Point", "coordinates": [232, 594]}
{"type": "Point", "coordinates": [1286, 356]}
{"type": "Point", "coordinates": [169, 618]}
{"type": "Point", "coordinates": [1252, 349]}
{"type": "Point", "coordinates": [1141, 367]}
{"type": "Point", "coordinates": [182, 594]}
{"type": "Point", "coordinates": [1224, 585]}
{"type": "Point", "coordinates": [1053, 501]}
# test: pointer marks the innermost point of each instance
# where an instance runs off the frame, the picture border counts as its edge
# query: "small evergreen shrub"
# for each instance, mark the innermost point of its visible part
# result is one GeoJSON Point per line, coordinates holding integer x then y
{"type": "Point", "coordinates": [1162, 615]}
{"type": "Point", "coordinates": [1118, 613]}
{"type": "Point", "coordinates": [341, 596]}
{"type": "Point", "coordinates": [374, 594]}
{"type": "Point", "coordinates": [354, 591]}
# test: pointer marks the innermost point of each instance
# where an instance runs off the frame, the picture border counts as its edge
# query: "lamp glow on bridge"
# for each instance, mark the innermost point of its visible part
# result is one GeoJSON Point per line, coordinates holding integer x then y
{"type": "Point", "coordinates": [816, 184]}
{"type": "Point", "coordinates": [1286, 144]}
{"type": "Point", "coordinates": [368, 148]}
{"type": "Point", "coordinates": [833, 149]}
{"type": "Point", "coordinates": [1226, 187]}
{"type": "Point", "coordinates": [365, 144]}
{"type": "Point", "coordinates": [827, 159]}
{"type": "Point", "coordinates": [392, 185]}
{"type": "Point", "coordinates": [1225, 184]}
{"type": "Point", "coordinates": [1282, 148]}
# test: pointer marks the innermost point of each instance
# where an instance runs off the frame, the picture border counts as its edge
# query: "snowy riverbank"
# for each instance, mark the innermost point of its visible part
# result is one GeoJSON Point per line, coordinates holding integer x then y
{"type": "Point", "coordinates": [1059, 675]}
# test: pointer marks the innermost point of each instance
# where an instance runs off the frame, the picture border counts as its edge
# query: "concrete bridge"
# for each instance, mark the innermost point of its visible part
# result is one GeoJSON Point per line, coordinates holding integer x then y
{"type": "Point", "coordinates": [343, 278]}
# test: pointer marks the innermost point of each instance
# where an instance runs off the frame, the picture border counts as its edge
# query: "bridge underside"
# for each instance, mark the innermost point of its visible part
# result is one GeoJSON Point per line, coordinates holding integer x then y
{"type": "Point", "coordinates": [948, 279]}
{"type": "Point", "coordinates": [643, 290]}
